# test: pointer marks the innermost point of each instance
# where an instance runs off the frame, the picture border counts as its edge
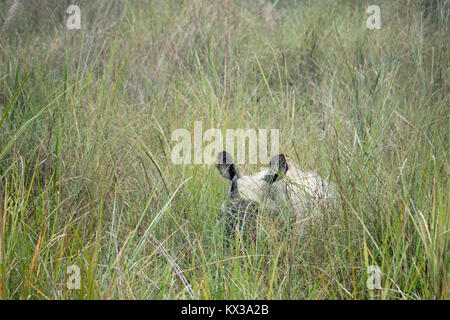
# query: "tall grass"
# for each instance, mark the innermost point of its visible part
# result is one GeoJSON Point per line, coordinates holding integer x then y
{"type": "Point", "coordinates": [86, 120]}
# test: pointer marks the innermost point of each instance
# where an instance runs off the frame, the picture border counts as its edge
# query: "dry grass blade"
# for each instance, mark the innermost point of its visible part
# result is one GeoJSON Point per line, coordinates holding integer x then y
{"type": "Point", "coordinates": [178, 272]}
{"type": "Point", "coordinates": [12, 13]}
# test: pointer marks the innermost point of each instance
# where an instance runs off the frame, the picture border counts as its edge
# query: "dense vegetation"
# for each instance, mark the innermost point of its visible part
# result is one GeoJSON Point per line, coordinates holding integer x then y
{"type": "Point", "coordinates": [86, 176]}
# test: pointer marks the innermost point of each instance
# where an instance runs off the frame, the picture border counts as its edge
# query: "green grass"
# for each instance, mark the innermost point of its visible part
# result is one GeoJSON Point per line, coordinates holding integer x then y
{"type": "Point", "coordinates": [86, 176]}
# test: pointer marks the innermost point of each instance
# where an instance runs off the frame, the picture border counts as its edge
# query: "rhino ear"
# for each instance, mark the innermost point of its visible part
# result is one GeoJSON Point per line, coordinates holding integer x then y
{"type": "Point", "coordinates": [278, 167]}
{"type": "Point", "coordinates": [226, 166]}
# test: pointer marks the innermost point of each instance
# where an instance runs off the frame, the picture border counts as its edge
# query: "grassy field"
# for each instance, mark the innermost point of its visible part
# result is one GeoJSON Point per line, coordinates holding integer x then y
{"type": "Point", "coordinates": [86, 118]}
